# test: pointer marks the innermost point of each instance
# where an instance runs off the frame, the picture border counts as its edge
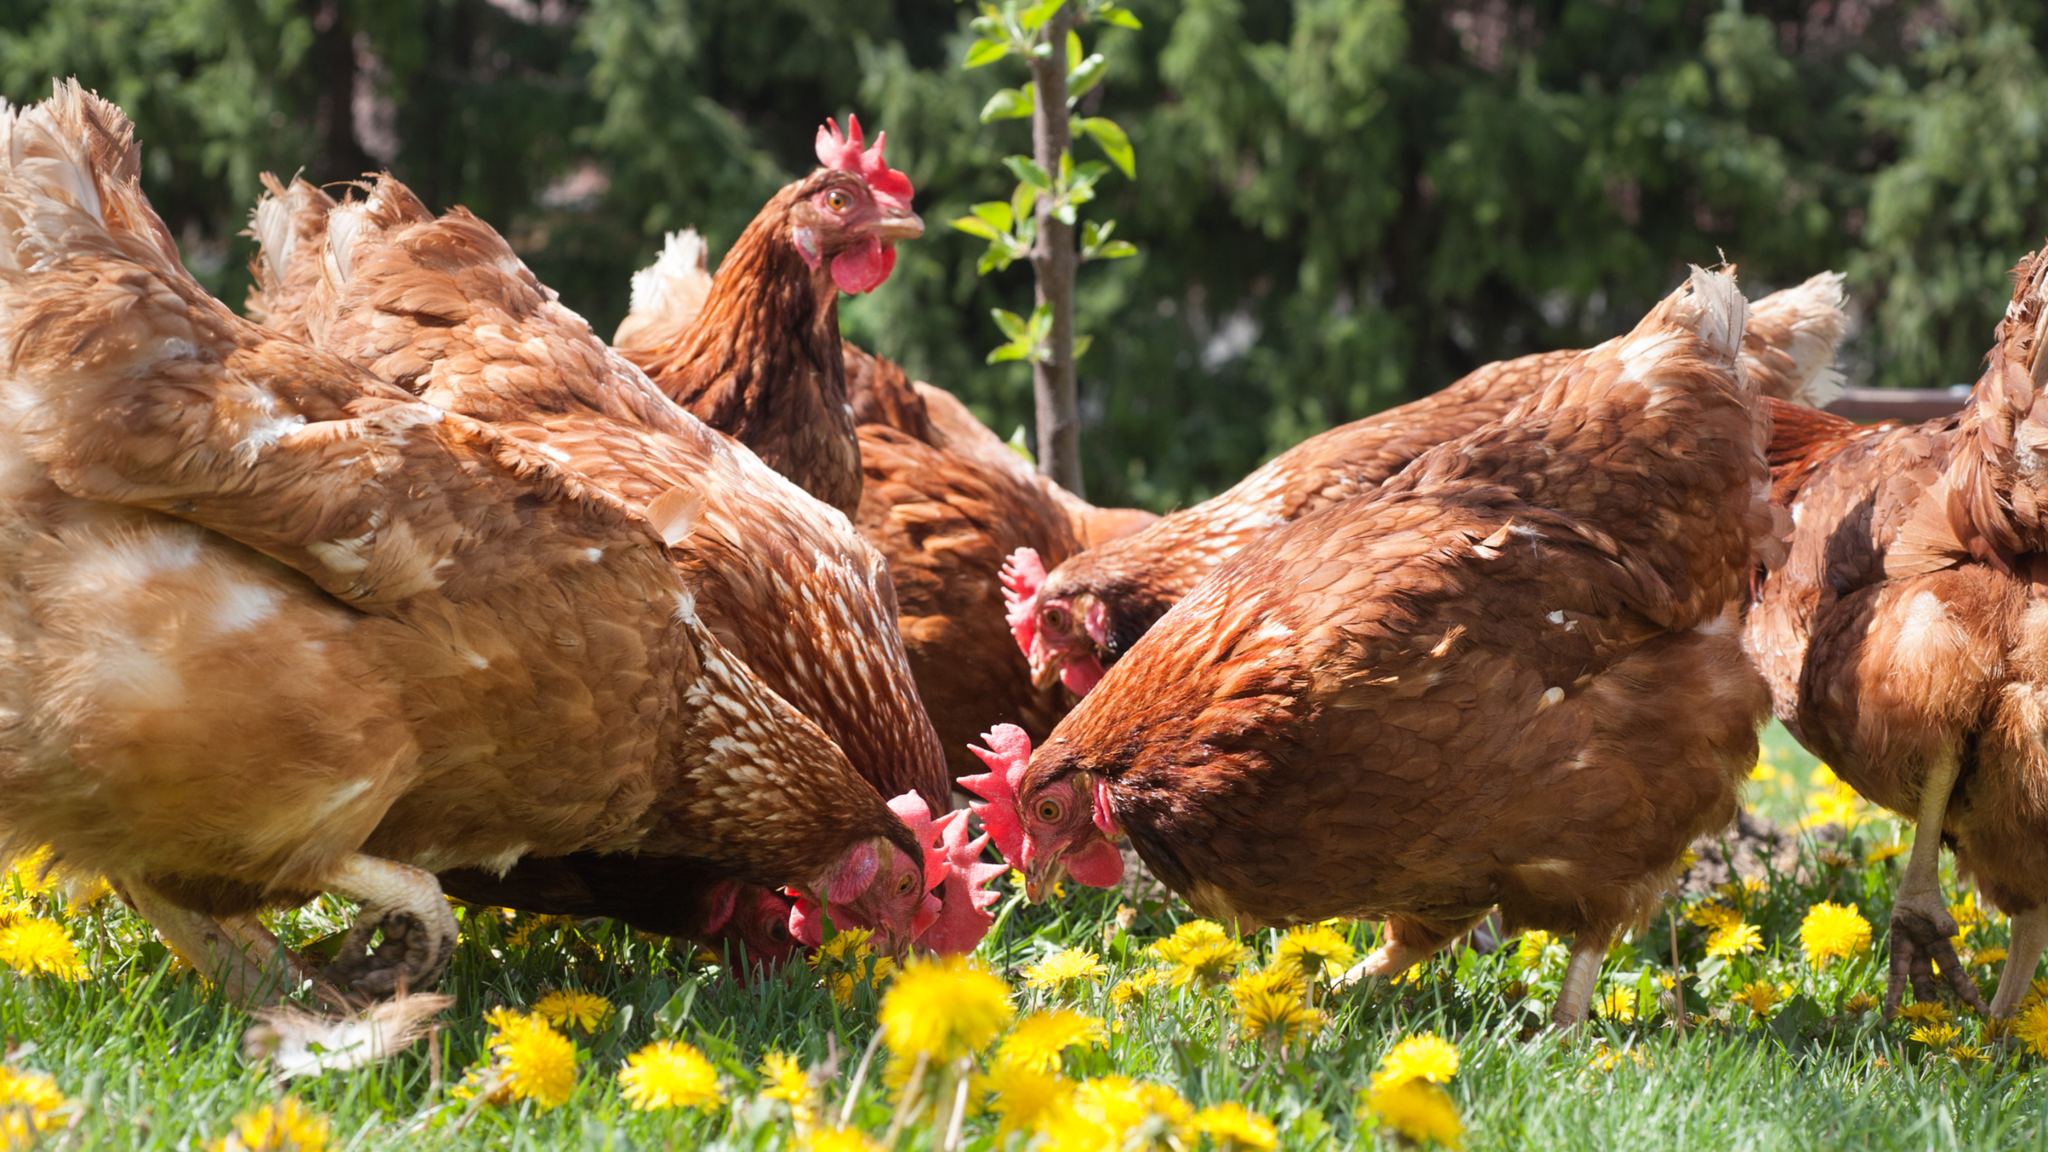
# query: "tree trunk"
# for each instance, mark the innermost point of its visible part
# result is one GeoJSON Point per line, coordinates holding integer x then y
{"type": "Point", "coordinates": [1059, 416]}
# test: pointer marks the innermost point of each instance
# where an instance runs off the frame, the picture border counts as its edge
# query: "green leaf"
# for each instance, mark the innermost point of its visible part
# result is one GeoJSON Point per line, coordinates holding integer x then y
{"type": "Point", "coordinates": [1121, 17]}
{"type": "Point", "coordinates": [1065, 213]}
{"type": "Point", "coordinates": [1027, 170]}
{"type": "Point", "coordinates": [1116, 250]}
{"type": "Point", "coordinates": [1023, 202]}
{"type": "Point", "coordinates": [1081, 345]}
{"type": "Point", "coordinates": [1020, 447]}
{"type": "Point", "coordinates": [976, 226]}
{"type": "Point", "coordinates": [1111, 138]}
{"type": "Point", "coordinates": [1013, 325]}
{"type": "Point", "coordinates": [993, 260]}
{"type": "Point", "coordinates": [996, 213]}
{"type": "Point", "coordinates": [1074, 52]}
{"type": "Point", "coordinates": [1007, 352]}
{"type": "Point", "coordinates": [985, 52]}
{"type": "Point", "coordinates": [1009, 104]}
{"type": "Point", "coordinates": [1036, 15]}
{"type": "Point", "coordinates": [1083, 76]}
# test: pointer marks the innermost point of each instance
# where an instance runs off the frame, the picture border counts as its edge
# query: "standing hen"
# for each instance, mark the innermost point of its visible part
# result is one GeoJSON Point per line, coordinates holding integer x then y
{"type": "Point", "coordinates": [1082, 617]}
{"type": "Point", "coordinates": [759, 360]}
{"type": "Point", "coordinates": [1905, 639]}
{"type": "Point", "coordinates": [1454, 692]}
{"type": "Point", "coordinates": [377, 638]}
{"type": "Point", "coordinates": [443, 306]}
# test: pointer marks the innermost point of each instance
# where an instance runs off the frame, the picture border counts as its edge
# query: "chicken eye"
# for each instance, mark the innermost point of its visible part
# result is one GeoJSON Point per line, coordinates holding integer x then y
{"type": "Point", "coordinates": [903, 886]}
{"type": "Point", "coordinates": [778, 931]}
{"type": "Point", "coordinates": [1056, 619]}
{"type": "Point", "coordinates": [1049, 811]}
{"type": "Point", "coordinates": [838, 201]}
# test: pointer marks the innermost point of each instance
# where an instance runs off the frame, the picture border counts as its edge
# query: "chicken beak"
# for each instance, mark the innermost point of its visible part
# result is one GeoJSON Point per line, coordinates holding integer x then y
{"type": "Point", "coordinates": [1040, 878]}
{"type": "Point", "coordinates": [896, 224]}
{"type": "Point", "coordinates": [1044, 672]}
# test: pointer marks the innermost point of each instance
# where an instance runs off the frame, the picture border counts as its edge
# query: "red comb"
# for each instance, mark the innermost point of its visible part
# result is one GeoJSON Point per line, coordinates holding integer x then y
{"type": "Point", "coordinates": [1023, 576]}
{"type": "Point", "coordinates": [963, 919]}
{"type": "Point", "coordinates": [844, 153]}
{"type": "Point", "coordinates": [1008, 754]}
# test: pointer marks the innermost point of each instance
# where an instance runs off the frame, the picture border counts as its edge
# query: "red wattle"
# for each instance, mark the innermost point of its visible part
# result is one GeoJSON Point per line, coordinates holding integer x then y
{"type": "Point", "coordinates": [1099, 865]}
{"type": "Point", "coordinates": [1081, 674]}
{"type": "Point", "coordinates": [863, 269]}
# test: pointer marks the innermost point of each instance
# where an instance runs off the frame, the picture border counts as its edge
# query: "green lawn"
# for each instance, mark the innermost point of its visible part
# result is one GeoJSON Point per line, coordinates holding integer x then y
{"type": "Point", "coordinates": [147, 1059]}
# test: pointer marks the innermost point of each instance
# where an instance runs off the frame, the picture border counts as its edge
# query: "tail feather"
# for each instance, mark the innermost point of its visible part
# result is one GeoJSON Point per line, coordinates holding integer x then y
{"type": "Point", "coordinates": [74, 170]}
{"type": "Point", "coordinates": [1791, 342]}
{"type": "Point", "coordinates": [667, 294]}
{"type": "Point", "coordinates": [288, 226]}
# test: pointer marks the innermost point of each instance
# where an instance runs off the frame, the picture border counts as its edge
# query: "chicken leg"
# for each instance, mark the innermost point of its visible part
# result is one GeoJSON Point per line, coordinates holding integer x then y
{"type": "Point", "coordinates": [2029, 937]}
{"type": "Point", "coordinates": [1410, 941]}
{"type": "Point", "coordinates": [1581, 976]}
{"type": "Point", "coordinates": [1921, 924]}
{"type": "Point", "coordinates": [407, 905]}
{"type": "Point", "coordinates": [251, 970]}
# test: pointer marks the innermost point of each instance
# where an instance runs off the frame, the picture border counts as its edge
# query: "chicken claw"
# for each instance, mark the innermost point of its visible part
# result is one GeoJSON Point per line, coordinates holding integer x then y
{"type": "Point", "coordinates": [1921, 932]}
{"type": "Point", "coordinates": [405, 904]}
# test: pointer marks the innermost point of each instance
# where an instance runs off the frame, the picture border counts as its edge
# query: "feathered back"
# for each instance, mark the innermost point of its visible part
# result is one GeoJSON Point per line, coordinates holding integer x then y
{"type": "Point", "coordinates": [667, 294]}
{"type": "Point", "coordinates": [288, 225]}
{"type": "Point", "coordinates": [1988, 505]}
{"type": "Point", "coordinates": [1789, 344]}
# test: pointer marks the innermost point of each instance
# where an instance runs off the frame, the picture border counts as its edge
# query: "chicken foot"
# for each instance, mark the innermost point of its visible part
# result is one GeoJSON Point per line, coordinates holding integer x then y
{"type": "Point", "coordinates": [406, 904]}
{"type": "Point", "coordinates": [1921, 925]}
{"type": "Point", "coordinates": [243, 960]}
{"type": "Point", "coordinates": [1410, 941]}
{"type": "Point", "coordinates": [1581, 976]}
{"type": "Point", "coordinates": [2029, 937]}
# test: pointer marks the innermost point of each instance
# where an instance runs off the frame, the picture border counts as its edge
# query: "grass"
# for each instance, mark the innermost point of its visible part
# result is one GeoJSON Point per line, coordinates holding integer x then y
{"type": "Point", "coordinates": [147, 1058]}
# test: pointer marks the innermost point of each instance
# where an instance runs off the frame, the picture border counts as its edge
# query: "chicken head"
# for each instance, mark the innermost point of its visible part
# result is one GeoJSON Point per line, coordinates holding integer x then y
{"type": "Point", "coordinates": [1063, 636]}
{"type": "Point", "coordinates": [1058, 828]}
{"type": "Point", "coordinates": [849, 215]}
{"type": "Point", "coordinates": [875, 886]}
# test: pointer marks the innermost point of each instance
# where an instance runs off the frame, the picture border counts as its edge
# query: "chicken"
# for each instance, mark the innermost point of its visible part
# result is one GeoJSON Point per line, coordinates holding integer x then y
{"type": "Point", "coordinates": [1454, 692]}
{"type": "Point", "coordinates": [760, 361]}
{"type": "Point", "coordinates": [444, 307]}
{"type": "Point", "coordinates": [1080, 618]}
{"type": "Point", "coordinates": [944, 500]}
{"type": "Point", "coordinates": [1905, 640]}
{"type": "Point", "coordinates": [284, 629]}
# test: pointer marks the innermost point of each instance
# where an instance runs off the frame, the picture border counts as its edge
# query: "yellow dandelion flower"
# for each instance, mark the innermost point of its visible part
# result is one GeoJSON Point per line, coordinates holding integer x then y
{"type": "Point", "coordinates": [1118, 1107]}
{"type": "Point", "coordinates": [29, 1103]}
{"type": "Point", "coordinates": [1935, 1035]}
{"type": "Point", "coordinates": [1314, 952]}
{"type": "Point", "coordinates": [1038, 1039]}
{"type": "Point", "coordinates": [1529, 950]}
{"type": "Point", "coordinates": [1200, 950]}
{"type": "Point", "coordinates": [1025, 1098]}
{"type": "Point", "coordinates": [1860, 1003]}
{"type": "Point", "coordinates": [2031, 1028]}
{"type": "Point", "coordinates": [1233, 1126]}
{"type": "Point", "coordinates": [844, 948]}
{"type": "Point", "coordinates": [1964, 1053]}
{"type": "Point", "coordinates": [1927, 1013]}
{"type": "Point", "coordinates": [1606, 1059]}
{"type": "Point", "coordinates": [1423, 1056]}
{"type": "Point", "coordinates": [783, 1078]}
{"type": "Point", "coordinates": [1618, 1006]}
{"type": "Point", "coordinates": [1762, 996]}
{"type": "Point", "coordinates": [1986, 957]}
{"type": "Point", "coordinates": [286, 1126]}
{"type": "Point", "coordinates": [1275, 979]}
{"type": "Point", "coordinates": [1138, 988]}
{"type": "Point", "coordinates": [1885, 852]}
{"type": "Point", "coordinates": [1833, 801]}
{"type": "Point", "coordinates": [1714, 916]}
{"type": "Point", "coordinates": [1063, 968]}
{"type": "Point", "coordinates": [537, 1062]}
{"type": "Point", "coordinates": [31, 874]}
{"type": "Point", "coordinates": [1417, 1109]}
{"type": "Point", "coordinates": [669, 1074]}
{"type": "Point", "coordinates": [1735, 939]}
{"type": "Point", "coordinates": [35, 945]}
{"type": "Point", "coordinates": [842, 1140]}
{"type": "Point", "coordinates": [585, 1010]}
{"type": "Point", "coordinates": [944, 1007]}
{"type": "Point", "coordinates": [1763, 773]}
{"type": "Point", "coordinates": [1968, 916]}
{"type": "Point", "coordinates": [1277, 1018]}
{"type": "Point", "coordinates": [1833, 931]}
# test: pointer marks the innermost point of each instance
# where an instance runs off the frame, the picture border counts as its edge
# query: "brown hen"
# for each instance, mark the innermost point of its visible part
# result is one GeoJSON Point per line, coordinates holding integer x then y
{"type": "Point", "coordinates": [1454, 692]}
{"type": "Point", "coordinates": [1905, 640]}
{"type": "Point", "coordinates": [759, 358]}
{"type": "Point", "coordinates": [378, 637]}
{"type": "Point", "coordinates": [1079, 619]}
{"type": "Point", "coordinates": [444, 307]}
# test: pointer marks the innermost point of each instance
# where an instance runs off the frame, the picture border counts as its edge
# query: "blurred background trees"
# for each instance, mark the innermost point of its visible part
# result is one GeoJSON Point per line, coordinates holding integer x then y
{"type": "Point", "coordinates": [1344, 203]}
